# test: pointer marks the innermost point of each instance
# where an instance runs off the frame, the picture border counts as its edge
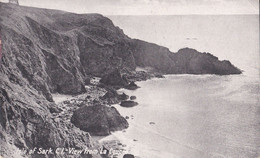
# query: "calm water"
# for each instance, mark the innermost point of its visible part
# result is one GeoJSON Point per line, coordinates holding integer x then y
{"type": "Point", "coordinates": [197, 115]}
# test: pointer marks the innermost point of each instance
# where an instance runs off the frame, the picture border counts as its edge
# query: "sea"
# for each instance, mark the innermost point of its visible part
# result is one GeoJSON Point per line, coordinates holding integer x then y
{"type": "Point", "coordinates": [196, 116]}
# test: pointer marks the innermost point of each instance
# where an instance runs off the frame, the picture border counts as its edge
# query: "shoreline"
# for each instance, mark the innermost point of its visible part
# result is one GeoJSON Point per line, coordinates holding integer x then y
{"type": "Point", "coordinates": [117, 140]}
{"type": "Point", "coordinates": [70, 103]}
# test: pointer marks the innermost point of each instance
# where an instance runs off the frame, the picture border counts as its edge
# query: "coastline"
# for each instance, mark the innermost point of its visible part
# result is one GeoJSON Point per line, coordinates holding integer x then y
{"type": "Point", "coordinates": [53, 52]}
{"type": "Point", "coordinates": [118, 142]}
{"type": "Point", "coordinates": [114, 142]}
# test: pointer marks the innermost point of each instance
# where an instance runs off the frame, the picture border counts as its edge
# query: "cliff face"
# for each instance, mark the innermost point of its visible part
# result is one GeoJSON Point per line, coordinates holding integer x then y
{"type": "Point", "coordinates": [185, 61]}
{"type": "Point", "coordinates": [55, 51]}
{"type": "Point", "coordinates": [47, 51]}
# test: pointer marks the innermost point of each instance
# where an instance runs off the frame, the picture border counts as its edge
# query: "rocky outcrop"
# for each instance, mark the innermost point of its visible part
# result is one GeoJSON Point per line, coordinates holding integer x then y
{"type": "Point", "coordinates": [112, 97]}
{"type": "Point", "coordinates": [115, 78]}
{"type": "Point", "coordinates": [128, 103]}
{"type": "Point", "coordinates": [132, 86]}
{"type": "Point", "coordinates": [98, 120]}
{"type": "Point", "coordinates": [185, 61]}
{"type": "Point", "coordinates": [123, 97]}
{"type": "Point", "coordinates": [190, 61]}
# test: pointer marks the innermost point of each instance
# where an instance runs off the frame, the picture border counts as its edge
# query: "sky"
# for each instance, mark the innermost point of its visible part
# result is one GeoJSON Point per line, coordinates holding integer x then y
{"type": "Point", "coordinates": [148, 7]}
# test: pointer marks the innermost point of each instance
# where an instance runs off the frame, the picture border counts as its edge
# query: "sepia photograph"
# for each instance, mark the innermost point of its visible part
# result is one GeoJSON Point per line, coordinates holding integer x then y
{"type": "Point", "coordinates": [129, 79]}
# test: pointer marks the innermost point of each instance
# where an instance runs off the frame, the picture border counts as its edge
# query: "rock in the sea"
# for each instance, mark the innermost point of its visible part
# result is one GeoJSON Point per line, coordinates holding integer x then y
{"type": "Point", "coordinates": [132, 97]}
{"type": "Point", "coordinates": [128, 103]}
{"type": "Point", "coordinates": [123, 96]}
{"type": "Point", "coordinates": [98, 120]}
{"type": "Point", "coordinates": [113, 97]}
{"type": "Point", "coordinates": [128, 156]}
{"type": "Point", "coordinates": [114, 79]}
{"type": "Point", "coordinates": [132, 86]}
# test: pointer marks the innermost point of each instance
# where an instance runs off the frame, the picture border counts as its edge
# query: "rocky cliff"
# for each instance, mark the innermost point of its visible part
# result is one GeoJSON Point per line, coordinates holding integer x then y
{"type": "Point", "coordinates": [48, 51]}
{"type": "Point", "coordinates": [185, 61]}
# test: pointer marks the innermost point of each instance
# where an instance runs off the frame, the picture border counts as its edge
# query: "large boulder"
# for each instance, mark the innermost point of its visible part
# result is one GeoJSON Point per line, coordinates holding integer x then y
{"type": "Point", "coordinates": [98, 120]}
{"type": "Point", "coordinates": [128, 156]}
{"type": "Point", "coordinates": [128, 103]}
{"type": "Point", "coordinates": [114, 79]}
{"type": "Point", "coordinates": [132, 97]}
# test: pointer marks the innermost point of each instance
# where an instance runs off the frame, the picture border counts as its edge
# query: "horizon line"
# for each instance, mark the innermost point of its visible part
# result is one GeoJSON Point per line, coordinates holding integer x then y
{"type": "Point", "coordinates": [194, 14]}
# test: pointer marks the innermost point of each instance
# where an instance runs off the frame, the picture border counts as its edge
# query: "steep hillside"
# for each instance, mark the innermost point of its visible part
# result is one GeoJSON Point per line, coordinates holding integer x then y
{"type": "Point", "coordinates": [55, 50]}
{"type": "Point", "coordinates": [48, 51]}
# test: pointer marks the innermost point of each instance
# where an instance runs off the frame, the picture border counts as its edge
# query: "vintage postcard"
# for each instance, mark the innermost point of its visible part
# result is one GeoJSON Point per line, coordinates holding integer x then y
{"type": "Point", "coordinates": [129, 79]}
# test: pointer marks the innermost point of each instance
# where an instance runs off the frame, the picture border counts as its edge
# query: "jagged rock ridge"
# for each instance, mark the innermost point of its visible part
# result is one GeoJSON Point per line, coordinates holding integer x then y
{"type": "Point", "coordinates": [185, 61]}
